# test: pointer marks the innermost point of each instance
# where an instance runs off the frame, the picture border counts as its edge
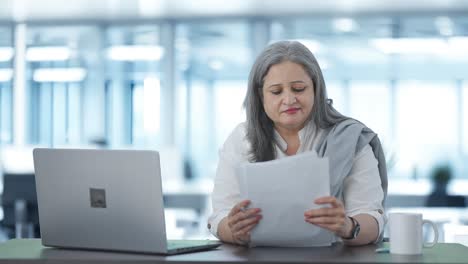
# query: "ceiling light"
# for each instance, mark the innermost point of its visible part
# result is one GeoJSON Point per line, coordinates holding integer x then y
{"type": "Point", "coordinates": [6, 53]}
{"type": "Point", "coordinates": [48, 53]}
{"type": "Point", "coordinates": [6, 75]}
{"type": "Point", "coordinates": [345, 25]}
{"type": "Point", "coordinates": [59, 75]}
{"type": "Point", "coordinates": [410, 45]}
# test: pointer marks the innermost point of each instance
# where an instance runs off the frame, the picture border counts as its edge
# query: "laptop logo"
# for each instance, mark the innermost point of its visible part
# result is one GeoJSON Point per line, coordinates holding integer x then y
{"type": "Point", "coordinates": [97, 198]}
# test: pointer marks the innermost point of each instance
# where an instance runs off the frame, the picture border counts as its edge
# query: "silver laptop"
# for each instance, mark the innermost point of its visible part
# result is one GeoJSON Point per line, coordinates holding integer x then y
{"type": "Point", "coordinates": [104, 199]}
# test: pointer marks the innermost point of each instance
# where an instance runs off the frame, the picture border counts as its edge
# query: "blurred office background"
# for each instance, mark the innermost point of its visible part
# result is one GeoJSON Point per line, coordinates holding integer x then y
{"type": "Point", "coordinates": [171, 76]}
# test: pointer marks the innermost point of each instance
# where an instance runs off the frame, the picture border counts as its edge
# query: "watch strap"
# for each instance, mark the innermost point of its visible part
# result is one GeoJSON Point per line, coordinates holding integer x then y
{"type": "Point", "coordinates": [355, 229]}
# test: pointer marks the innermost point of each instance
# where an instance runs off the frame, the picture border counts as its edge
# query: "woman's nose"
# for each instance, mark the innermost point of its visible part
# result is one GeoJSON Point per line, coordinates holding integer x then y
{"type": "Point", "coordinates": [290, 98]}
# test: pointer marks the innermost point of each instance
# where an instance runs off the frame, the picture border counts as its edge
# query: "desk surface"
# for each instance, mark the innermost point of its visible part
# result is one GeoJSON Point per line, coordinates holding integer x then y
{"type": "Point", "coordinates": [31, 250]}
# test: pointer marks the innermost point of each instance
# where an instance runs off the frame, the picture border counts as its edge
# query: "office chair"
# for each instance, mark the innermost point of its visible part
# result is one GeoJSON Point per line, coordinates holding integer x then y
{"type": "Point", "coordinates": [19, 202]}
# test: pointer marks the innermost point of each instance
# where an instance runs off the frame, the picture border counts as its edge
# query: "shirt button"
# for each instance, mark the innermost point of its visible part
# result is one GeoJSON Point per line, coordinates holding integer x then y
{"type": "Point", "coordinates": [380, 211]}
{"type": "Point", "coordinates": [209, 226]}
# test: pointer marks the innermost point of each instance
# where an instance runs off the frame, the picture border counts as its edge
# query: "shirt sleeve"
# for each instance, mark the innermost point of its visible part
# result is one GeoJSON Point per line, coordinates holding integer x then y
{"type": "Point", "coordinates": [362, 189]}
{"type": "Point", "coordinates": [226, 192]}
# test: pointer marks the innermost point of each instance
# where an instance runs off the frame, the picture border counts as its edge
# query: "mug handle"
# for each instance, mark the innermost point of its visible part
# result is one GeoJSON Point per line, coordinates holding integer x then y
{"type": "Point", "coordinates": [436, 234]}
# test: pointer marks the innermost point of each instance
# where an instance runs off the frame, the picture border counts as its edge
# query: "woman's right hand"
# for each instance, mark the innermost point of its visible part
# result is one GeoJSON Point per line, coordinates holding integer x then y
{"type": "Point", "coordinates": [241, 221]}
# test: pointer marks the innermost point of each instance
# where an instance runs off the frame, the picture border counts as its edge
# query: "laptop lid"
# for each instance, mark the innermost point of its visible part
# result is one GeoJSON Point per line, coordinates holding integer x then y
{"type": "Point", "coordinates": [100, 199]}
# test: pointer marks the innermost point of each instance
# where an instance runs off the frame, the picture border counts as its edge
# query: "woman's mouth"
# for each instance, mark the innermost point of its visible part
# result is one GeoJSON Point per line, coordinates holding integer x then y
{"type": "Point", "coordinates": [292, 111]}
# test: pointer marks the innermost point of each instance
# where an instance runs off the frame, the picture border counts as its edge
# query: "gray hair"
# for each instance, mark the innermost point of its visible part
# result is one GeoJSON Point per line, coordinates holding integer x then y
{"type": "Point", "coordinates": [260, 129]}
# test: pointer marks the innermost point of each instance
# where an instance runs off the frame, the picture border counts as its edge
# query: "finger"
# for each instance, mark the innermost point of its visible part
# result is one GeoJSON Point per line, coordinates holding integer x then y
{"type": "Point", "coordinates": [251, 212]}
{"type": "Point", "coordinates": [328, 200]}
{"type": "Point", "coordinates": [249, 228]}
{"type": "Point", "coordinates": [326, 220]}
{"type": "Point", "coordinates": [248, 221]}
{"type": "Point", "coordinates": [241, 215]}
{"type": "Point", "coordinates": [325, 211]}
{"type": "Point", "coordinates": [246, 230]}
{"type": "Point", "coordinates": [319, 212]}
{"type": "Point", "coordinates": [238, 207]}
{"type": "Point", "coordinates": [241, 239]}
{"type": "Point", "coordinates": [244, 234]}
{"type": "Point", "coordinates": [237, 222]}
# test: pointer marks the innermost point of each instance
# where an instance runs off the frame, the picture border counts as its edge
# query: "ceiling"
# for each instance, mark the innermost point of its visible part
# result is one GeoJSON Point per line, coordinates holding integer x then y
{"type": "Point", "coordinates": [52, 10]}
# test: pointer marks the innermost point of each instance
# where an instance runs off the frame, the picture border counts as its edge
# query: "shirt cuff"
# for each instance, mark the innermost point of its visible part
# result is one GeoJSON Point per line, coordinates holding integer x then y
{"type": "Point", "coordinates": [214, 220]}
{"type": "Point", "coordinates": [379, 216]}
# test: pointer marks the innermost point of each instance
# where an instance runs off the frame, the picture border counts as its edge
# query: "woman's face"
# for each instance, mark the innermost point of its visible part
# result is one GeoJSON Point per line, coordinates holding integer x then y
{"type": "Point", "coordinates": [288, 94]}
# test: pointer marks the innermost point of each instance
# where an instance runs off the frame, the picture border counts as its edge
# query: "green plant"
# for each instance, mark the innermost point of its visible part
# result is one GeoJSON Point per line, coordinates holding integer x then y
{"type": "Point", "coordinates": [441, 174]}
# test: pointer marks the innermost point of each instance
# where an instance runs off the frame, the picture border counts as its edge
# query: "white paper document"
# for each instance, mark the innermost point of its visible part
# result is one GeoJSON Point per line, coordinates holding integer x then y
{"type": "Point", "coordinates": [284, 189]}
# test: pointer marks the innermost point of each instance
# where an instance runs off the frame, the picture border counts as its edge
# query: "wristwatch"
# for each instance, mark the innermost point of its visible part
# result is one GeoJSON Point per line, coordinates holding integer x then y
{"type": "Point", "coordinates": [355, 230]}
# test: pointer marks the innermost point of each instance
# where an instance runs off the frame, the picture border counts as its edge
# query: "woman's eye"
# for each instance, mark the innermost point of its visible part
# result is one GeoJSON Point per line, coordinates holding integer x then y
{"type": "Point", "coordinates": [275, 92]}
{"type": "Point", "coordinates": [298, 90]}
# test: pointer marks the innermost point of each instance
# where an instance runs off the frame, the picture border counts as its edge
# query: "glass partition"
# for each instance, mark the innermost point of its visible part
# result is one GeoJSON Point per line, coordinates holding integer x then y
{"type": "Point", "coordinates": [370, 104]}
{"type": "Point", "coordinates": [426, 126]}
{"type": "Point", "coordinates": [134, 81]}
{"type": "Point", "coordinates": [180, 84]}
{"type": "Point", "coordinates": [61, 74]}
{"type": "Point", "coordinates": [464, 119]}
{"type": "Point", "coordinates": [6, 84]}
{"type": "Point", "coordinates": [212, 65]}
{"type": "Point", "coordinates": [400, 76]}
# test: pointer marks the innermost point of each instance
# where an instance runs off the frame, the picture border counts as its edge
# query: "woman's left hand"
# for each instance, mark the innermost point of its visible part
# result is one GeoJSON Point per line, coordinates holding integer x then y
{"type": "Point", "coordinates": [332, 218]}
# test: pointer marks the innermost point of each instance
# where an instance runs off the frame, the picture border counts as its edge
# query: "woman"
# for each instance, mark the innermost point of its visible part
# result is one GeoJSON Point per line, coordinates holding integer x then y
{"type": "Point", "coordinates": [288, 113]}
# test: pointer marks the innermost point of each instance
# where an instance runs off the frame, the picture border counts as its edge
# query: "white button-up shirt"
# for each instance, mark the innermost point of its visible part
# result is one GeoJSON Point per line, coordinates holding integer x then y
{"type": "Point", "coordinates": [362, 190]}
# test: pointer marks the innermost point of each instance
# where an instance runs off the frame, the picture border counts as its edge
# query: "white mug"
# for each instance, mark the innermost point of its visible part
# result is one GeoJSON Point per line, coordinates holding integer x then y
{"type": "Point", "coordinates": [406, 233]}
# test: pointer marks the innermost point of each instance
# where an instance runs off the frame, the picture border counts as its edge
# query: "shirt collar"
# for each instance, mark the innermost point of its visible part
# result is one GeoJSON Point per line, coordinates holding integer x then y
{"type": "Point", "coordinates": [305, 134]}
